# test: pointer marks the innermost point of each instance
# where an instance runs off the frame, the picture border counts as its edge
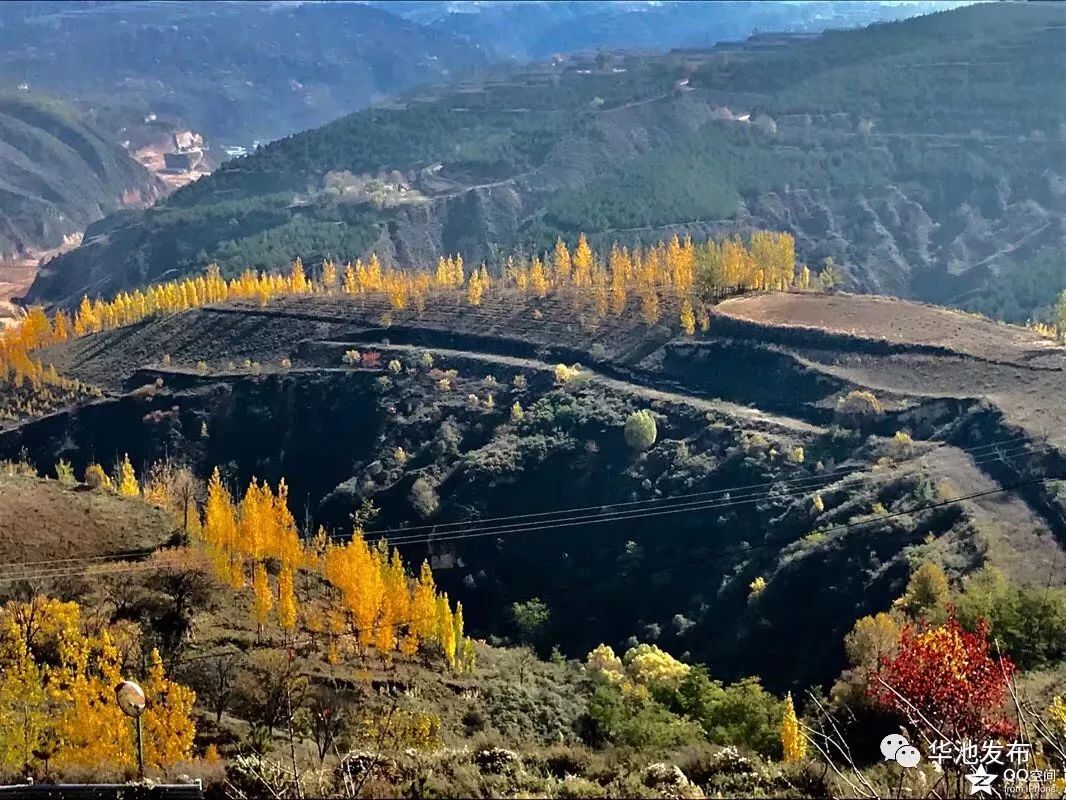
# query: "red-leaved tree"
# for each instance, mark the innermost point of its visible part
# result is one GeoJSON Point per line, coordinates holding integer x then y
{"type": "Point", "coordinates": [946, 674]}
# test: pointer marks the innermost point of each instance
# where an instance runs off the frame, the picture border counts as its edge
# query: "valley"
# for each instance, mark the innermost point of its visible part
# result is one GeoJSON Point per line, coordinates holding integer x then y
{"type": "Point", "coordinates": [17, 274]}
{"type": "Point", "coordinates": [619, 423]}
{"type": "Point", "coordinates": [59, 175]}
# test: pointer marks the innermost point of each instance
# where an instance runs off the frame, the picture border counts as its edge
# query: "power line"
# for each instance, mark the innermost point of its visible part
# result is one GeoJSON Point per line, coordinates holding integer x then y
{"type": "Point", "coordinates": [748, 548]}
{"type": "Point", "coordinates": [721, 498]}
{"type": "Point", "coordinates": [71, 572]}
{"type": "Point", "coordinates": [1014, 442]}
{"type": "Point", "coordinates": [722, 553]}
{"type": "Point", "coordinates": [137, 567]}
{"type": "Point", "coordinates": [725, 501]}
{"type": "Point", "coordinates": [116, 556]}
{"type": "Point", "coordinates": [641, 513]}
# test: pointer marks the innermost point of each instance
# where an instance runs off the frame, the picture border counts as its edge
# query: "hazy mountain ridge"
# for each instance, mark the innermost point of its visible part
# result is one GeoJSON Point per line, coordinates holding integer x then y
{"type": "Point", "coordinates": [537, 30]}
{"type": "Point", "coordinates": [235, 71]}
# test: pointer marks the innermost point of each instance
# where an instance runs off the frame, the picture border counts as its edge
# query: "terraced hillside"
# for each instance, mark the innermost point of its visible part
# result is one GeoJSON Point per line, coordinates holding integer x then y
{"type": "Point", "coordinates": [913, 189]}
{"type": "Point", "coordinates": [769, 461]}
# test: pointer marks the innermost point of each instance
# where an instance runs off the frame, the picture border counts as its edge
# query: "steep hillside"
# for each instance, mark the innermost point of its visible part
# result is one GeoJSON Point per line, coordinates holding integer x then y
{"type": "Point", "coordinates": [58, 174]}
{"type": "Point", "coordinates": [726, 494]}
{"type": "Point", "coordinates": [911, 187]}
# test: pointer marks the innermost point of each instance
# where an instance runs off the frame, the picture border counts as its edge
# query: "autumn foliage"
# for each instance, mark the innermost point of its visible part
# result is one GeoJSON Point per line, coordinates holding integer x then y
{"type": "Point", "coordinates": [357, 596]}
{"type": "Point", "coordinates": [793, 741]}
{"type": "Point", "coordinates": [946, 674]}
{"type": "Point", "coordinates": [32, 387]}
{"type": "Point", "coordinates": [644, 281]}
{"type": "Point", "coordinates": [58, 672]}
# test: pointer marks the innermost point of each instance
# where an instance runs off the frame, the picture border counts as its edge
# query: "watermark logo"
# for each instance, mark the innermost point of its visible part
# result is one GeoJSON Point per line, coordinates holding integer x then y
{"type": "Point", "coordinates": [895, 747]}
{"type": "Point", "coordinates": [981, 781]}
{"type": "Point", "coordinates": [991, 768]}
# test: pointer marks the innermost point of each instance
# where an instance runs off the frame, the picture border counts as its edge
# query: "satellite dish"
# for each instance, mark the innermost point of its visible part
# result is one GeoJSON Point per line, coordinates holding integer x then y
{"type": "Point", "coordinates": [130, 698]}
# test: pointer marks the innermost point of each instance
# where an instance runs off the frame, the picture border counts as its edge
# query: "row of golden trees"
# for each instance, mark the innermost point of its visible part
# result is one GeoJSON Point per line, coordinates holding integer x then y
{"type": "Point", "coordinates": [677, 274]}
{"type": "Point", "coordinates": [17, 342]}
{"type": "Point", "coordinates": [608, 282]}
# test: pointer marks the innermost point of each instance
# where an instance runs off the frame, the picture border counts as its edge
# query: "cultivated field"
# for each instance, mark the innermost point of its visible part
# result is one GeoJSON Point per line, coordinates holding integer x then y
{"type": "Point", "coordinates": [893, 320]}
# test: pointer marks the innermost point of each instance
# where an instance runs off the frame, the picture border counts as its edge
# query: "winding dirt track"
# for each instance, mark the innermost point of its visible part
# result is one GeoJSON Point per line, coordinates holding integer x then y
{"type": "Point", "coordinates": [785, 424]}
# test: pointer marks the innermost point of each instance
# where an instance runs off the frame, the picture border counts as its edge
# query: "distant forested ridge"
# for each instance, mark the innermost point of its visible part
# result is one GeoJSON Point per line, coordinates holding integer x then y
{"type": "Point", "coordinates": [922, 156]}
{"type": "Point", "coordinates": [234, 71]}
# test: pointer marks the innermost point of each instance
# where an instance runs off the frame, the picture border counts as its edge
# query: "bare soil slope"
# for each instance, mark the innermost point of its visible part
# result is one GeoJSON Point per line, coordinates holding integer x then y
{"type": "Point", "coordinates": [909, 349]}
{"type": "Point", "coordinates": [890, 319]}
{"type": "Point", "coordinates": [42, 520]}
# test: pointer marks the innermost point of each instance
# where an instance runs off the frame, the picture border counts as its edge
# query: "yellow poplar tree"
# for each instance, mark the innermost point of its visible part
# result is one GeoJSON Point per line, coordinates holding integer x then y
{"type": "Point", "coordinates": [298, 283]}
{"type": "Point", "coordinates": [561, 263]}
{"type": "Point", "coordinates": [457, 639]}
{"type": "Point", "coordinates": [618, 265]}
{"type": "Point", "coordinates": [253, 525]}
{"type": "Point", "coordinates": [445, 630]}
{"type": "Point", "coordinates": [443, 276]}
{"type": "Point", "coordinates": [127, 478]}
{"type": "Point", "coordinates": [458, 275]}
{"type": "Point", "coordinates": [395, 602]}
{"type": "Point", "coordinates": [793, 742]}
{"type": "Point", "coordinates": [263, 599]}
{"type": "Point", "coordinates": [219, 532]}
{"type": "Point", "coordinates": [168, 726]}
{"type": "Point", "coordinates": [475, 288]}
{"type": "Point", "coordinates": [688, 319]}
{"type": "Point", "coordinates": [62, 327]}
{"type": "Point", "coordinates": [286, 600]}
{"type": "Point", "coordinates": [351, 284]}
{"type": "Point", "coordinates": [538, 278]}
{"type": "Point", "coordinates": [582, 263]}
{"type": "Point", "coordinates": [423, 606]}
{"type": "Point", "coordinates": [329, 276]}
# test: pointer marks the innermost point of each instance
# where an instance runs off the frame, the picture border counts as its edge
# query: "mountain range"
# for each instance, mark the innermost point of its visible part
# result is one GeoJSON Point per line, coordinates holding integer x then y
{"type": "Point", "coordinates": [920, 156]}
{"type": "Point", "coordinates": [239, 73]}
